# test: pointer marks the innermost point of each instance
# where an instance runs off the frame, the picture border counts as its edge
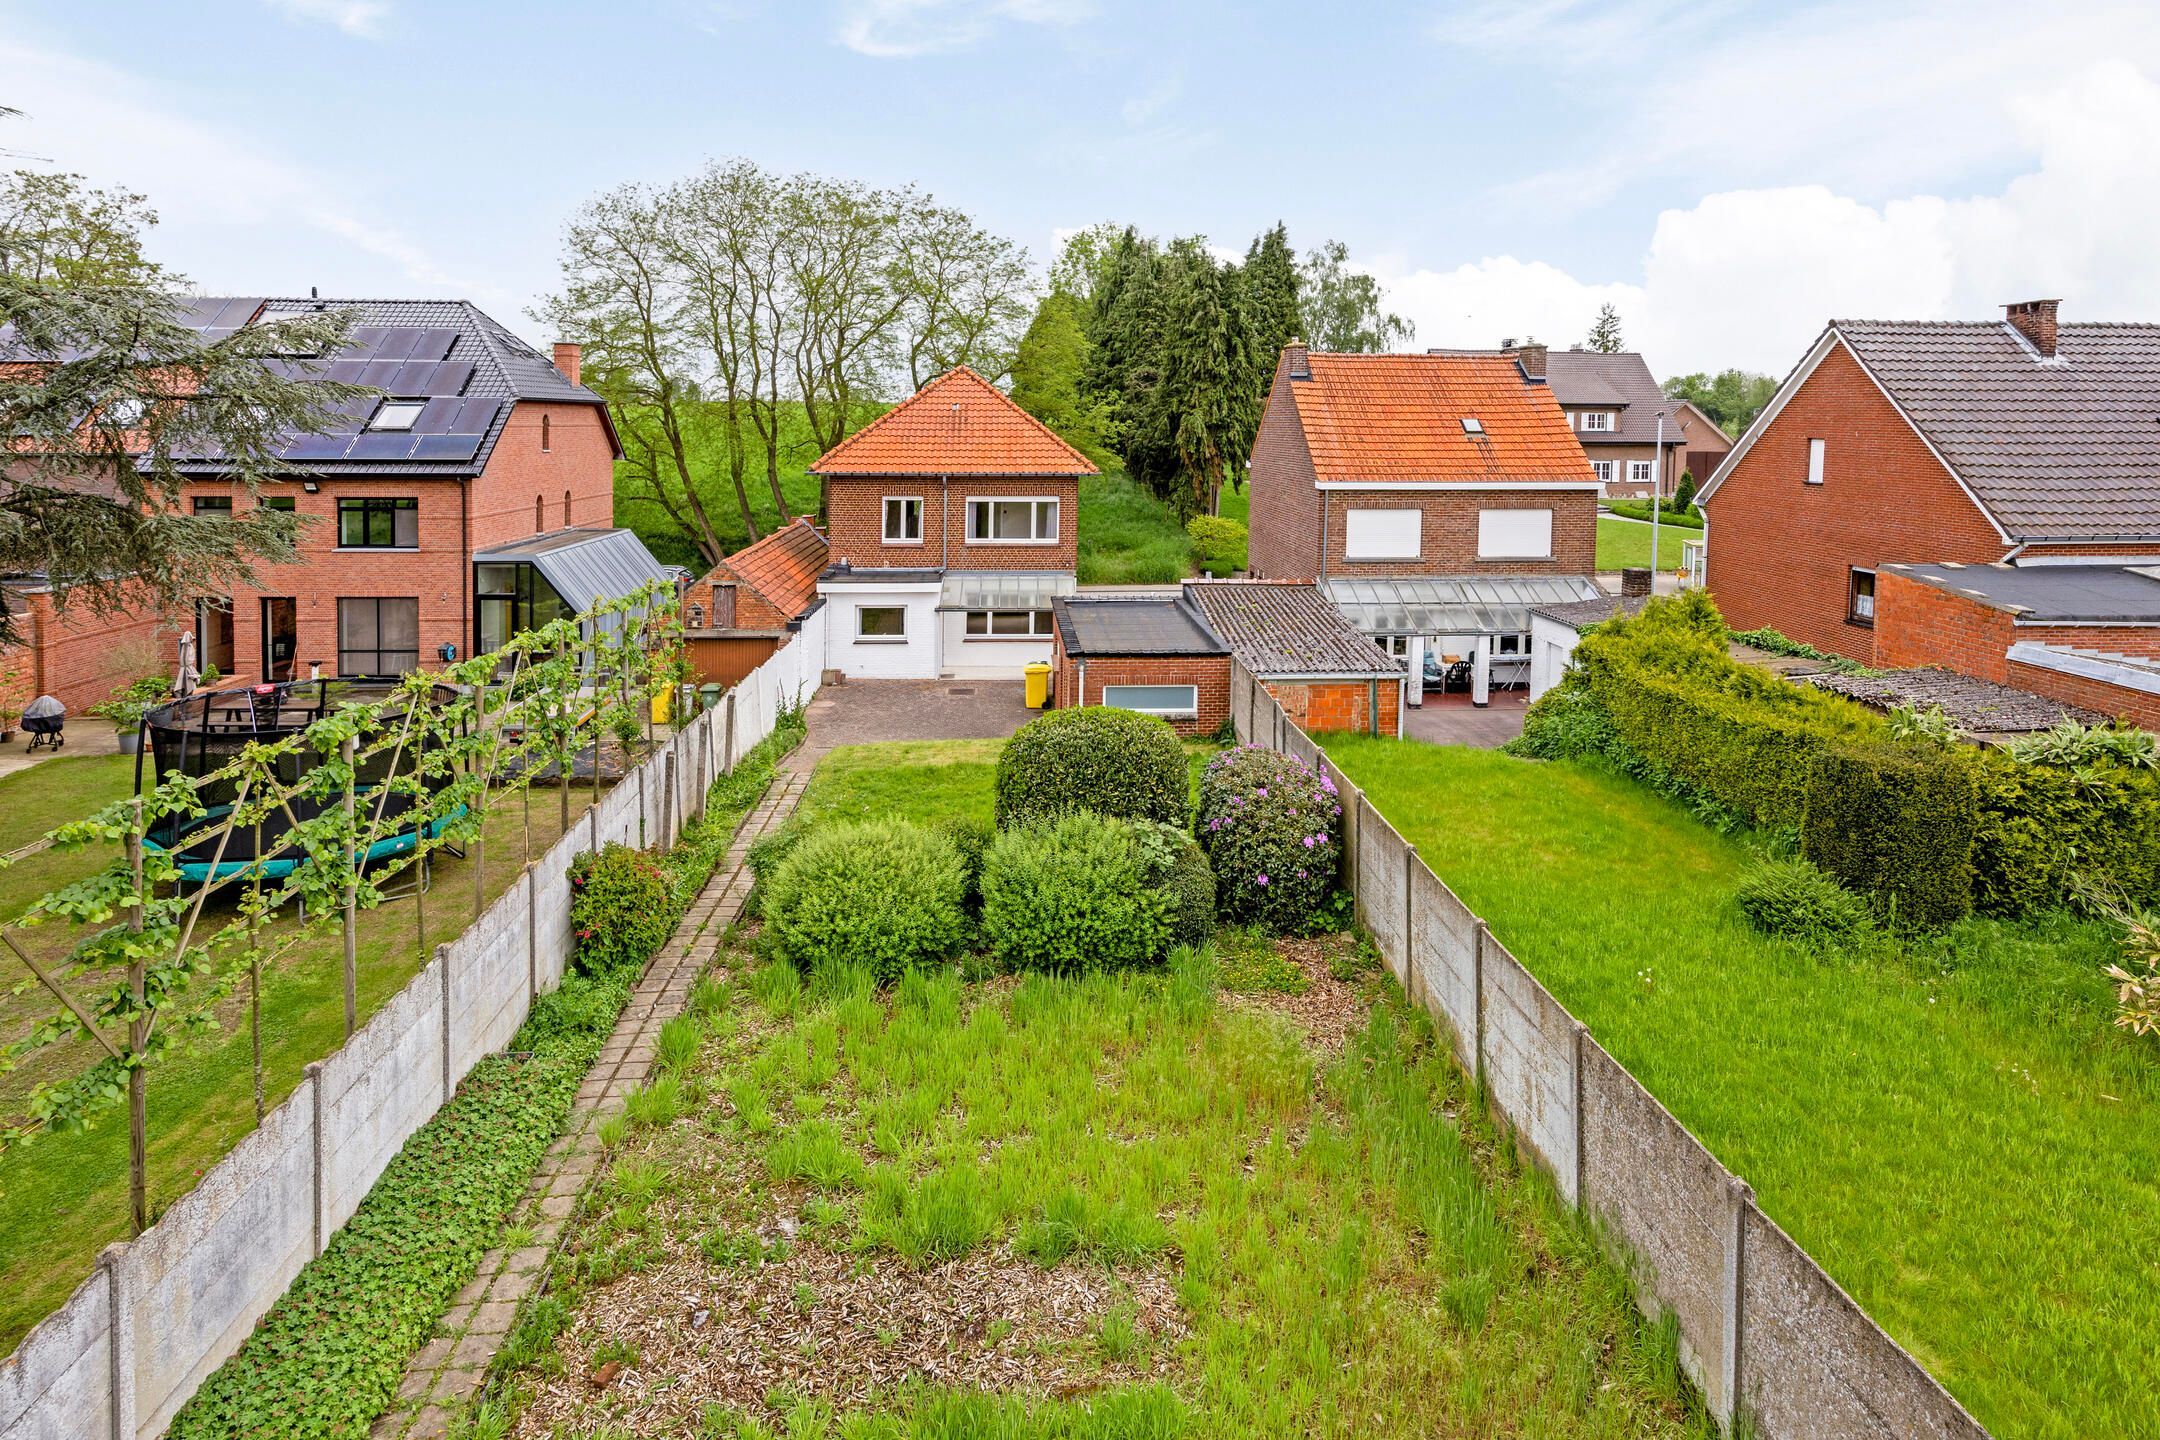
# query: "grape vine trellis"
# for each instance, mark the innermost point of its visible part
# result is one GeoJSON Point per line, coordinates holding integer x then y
{"type": "Point", "coordinates": [150, 961]}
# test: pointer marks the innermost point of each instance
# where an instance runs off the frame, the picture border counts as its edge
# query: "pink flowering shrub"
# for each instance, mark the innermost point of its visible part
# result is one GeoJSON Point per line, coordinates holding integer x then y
{"type": "Point", "coordinates": [1272, 826]}
{"type": "Point", "coordinates": [621, 909]}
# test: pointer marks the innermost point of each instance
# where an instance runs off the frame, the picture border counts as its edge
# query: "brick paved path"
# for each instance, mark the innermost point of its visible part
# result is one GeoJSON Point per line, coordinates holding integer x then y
{"type": "Point", "coordinates": [449, 1367]}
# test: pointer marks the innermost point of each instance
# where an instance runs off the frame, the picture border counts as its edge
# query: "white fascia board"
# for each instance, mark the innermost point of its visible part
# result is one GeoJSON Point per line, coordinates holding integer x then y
{"type": "Point", "coordinates": [859, 587]}
{"type": "Point", "coordinates": [1501, 487]}
{"type": "Point", "coordinates": [2034, 562]}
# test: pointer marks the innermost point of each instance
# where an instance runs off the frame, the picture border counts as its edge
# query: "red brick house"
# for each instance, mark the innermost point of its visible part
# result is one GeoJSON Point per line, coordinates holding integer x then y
{"type": "Point", "coordinates": [1633, 434]}
{"type": "Point", "coordinates": [747, 605]}
{"type": "Point", "coordinates": [1170, 655]}
{"type": "Point", "coordinates": [473, 499]}
{"type": "Point", "coordinates": [952, 523]}
{"type": "Point", "coordinates": [2023, 441]}
{"type": "Point", "coordinates": [1435, 497]}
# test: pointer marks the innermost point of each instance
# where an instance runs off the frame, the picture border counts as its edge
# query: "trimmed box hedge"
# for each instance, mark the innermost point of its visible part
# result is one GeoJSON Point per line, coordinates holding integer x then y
{"type": "Point", "coordinates": [1111, 761]}
{"type": "Point", "coordinates": [1896, 823]}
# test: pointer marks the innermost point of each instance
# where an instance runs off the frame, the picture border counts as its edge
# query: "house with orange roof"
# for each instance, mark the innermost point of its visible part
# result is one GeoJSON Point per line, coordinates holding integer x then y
{"type": "Point", "coordinates": [951, 525]}
{"type": "Point", "coordinates": [748, 605]}
{"type": "Point", "coordinates": [1436, 498]}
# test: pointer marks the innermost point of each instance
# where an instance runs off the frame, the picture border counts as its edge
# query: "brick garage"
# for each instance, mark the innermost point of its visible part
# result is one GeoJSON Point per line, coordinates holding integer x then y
{"type": "Point", "coordinates": [1101, 644]}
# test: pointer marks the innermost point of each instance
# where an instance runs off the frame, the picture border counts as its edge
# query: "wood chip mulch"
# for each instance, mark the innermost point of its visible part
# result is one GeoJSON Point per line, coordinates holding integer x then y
{"type": "Point", "coordinates": [1328, 1010]}
{"type": "Point", "coordinates": [704, 1335]}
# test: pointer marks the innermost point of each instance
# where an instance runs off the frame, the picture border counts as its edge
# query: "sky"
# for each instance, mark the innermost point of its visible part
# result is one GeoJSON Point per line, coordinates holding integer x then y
{"type": "Point", "coordinates": [1728, 175]}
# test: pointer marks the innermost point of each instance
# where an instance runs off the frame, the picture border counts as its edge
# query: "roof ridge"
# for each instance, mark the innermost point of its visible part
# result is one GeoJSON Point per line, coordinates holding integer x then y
{"type": "Point", "coordinates": [958, 374]}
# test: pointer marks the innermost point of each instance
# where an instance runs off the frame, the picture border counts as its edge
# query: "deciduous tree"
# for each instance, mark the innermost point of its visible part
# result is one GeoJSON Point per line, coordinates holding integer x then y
{"type": "Point", "coordinates": [1605, 337]}
{"type": "Point", "coordinates": [1342, 307]}
{"type": "Point", "coordinates": [1733, 398]}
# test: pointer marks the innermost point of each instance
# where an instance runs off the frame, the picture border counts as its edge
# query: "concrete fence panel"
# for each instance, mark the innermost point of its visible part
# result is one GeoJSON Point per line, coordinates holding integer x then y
{"type": "Point", "coordinates": [1303, 747]}
{"type": "Point", "coordinates": [1813, 1364]}
{"type": "Point", "coordinates": [1444, 957]}
{"type": "Point", "coordinates": [1383, 886]}
{"type": "Point", "coordinates": [1530, 1060]}
{"type": "Point", "coordinates": [1241, 703]}
{"type": "Point", "coordinates": [377, 1089]}
{"type": "Point", "coordinates": [195, 1283]}
{"type": "Point", "coordinates": [549, 917]}
{"type": "Point", "coordinates": [58, 1385]}
{"type": "Point", "coordinates": [488, 973]}
{"type": "Point", "coordinates": [1671, 1205]}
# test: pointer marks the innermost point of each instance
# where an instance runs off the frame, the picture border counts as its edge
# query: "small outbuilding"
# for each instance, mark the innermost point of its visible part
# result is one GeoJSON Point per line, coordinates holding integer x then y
{"type": "Point", "coordinates": [1554, 629]}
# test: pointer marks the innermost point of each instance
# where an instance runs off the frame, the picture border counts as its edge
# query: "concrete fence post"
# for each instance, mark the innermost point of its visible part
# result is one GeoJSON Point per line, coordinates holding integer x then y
{"type": "Point", "coordinates": [1477, 992]}
{"type": "Point", "coordinates": [641, 807]}
{"type": "Point", "coordinates": [532, 939]}
{"type": "Point", "coordinates": [1740, 1198]}
{"type": "Point", "coordinates": [312, 1075]}
{"type": "Point", "coordinates": [120, 1346]}
{"type": "Point", "coordinates": [1411, 982]}
{"type": "Point", "coordinates": [592, 827]}
{"type": "Point", "coordinates": [449, 1083]}
{"type": "Point", "coordinates": [727, 747]}
{"type": "Point", "coordinates": [1575, 1089]}
{"type": "Point", "coordinates": [1352, 819]}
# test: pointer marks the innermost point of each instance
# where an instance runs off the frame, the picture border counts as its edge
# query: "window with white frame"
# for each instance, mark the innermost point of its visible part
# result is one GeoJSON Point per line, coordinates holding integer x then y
{"type": "Point", "coordinates": [1008, 624]}
{"type": "Point", "coordinates": [1814, 462]}
{"type": "Point", "coordinates": [1594, 420]}
{"type": "Point", "coordinates": [1514, 534]}
{"type": "Point", "coordinates": [1169, 701]}
{"type": "Point", "coordinates": [1603, 469]}
{"type": "Point", "coordinates": [880, 623]}
{"type": "Point", "coordinates": [903, 520]}
{"type": "Point", "coordinates": [1383, 534]}
{"type": "Point", "coordinates": [1031, 520]}
{"type": "Point", "coordinates": [1638, 472]}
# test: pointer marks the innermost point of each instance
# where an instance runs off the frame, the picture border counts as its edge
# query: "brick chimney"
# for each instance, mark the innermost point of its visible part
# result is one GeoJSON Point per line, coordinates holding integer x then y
{"type": "Point", "coordinates": [566, 359]}
{"type": "Point", "coordinates": [1300, 360]}
{"type": "Point", "coordinates": [1635, 581]}
{"type": "Point", "coordinates": [2035, 320]}
{"type": "Point", "coordinates": [1531, 356]}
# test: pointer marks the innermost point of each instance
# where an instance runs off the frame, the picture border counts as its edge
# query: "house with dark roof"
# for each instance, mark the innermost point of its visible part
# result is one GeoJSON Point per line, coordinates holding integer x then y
{"type": "Point", "coordinates": [472, 498]}
{"type": "Point", "coordinates": [2023, 442]}
{"type": "Point", "coordinates": [1434, 497]}
{"type": "Point", "coordinates": [1170, 655]}
{"type": "Point", "coordinates": [952, 523]}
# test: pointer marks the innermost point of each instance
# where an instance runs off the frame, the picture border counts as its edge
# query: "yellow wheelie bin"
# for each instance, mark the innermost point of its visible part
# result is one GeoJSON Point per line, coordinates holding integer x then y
{"type": "Point", "coordinates": [1038, 684]}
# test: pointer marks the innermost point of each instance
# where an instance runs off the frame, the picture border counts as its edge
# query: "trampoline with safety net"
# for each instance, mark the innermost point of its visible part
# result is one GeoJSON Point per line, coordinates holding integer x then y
{"type": "Point", "coordinates": [203, 733]}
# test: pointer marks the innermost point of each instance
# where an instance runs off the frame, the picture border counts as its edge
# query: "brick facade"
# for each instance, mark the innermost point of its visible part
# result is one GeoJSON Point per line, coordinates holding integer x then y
{"type": "Point", "coordinates": [1449, 531]}
{"type": "Point", "coordinates": [855, 515]}
{"type": "Point", "coordinates": [1284, 518]}
{"type": "Point", "coordinates": [1208, 674]}
{"type": "Point", "coordinates": [2135, 706]}
{"type": "Point", "coordinates": [1922, 624]}
{"type": "Point", "coordinates": [1781, 550]}
{"type": "Point", "coordinates": [79, 657]}
{"type": "Point", "coordinates": [1317, 705]}
{"type": "Point", "coordinates": [524, 490]}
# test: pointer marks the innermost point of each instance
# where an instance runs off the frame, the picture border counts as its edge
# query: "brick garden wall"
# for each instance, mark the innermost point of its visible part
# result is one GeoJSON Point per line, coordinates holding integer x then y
{"type": "Point", "coordinates": [1780, 548]}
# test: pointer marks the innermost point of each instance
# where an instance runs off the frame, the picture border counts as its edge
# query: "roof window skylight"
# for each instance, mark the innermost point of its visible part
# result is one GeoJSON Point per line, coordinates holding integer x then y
{"type": "Point", "coordinates": [397, 414]}
{"type": "Point", "coordinates": [1471, 425]}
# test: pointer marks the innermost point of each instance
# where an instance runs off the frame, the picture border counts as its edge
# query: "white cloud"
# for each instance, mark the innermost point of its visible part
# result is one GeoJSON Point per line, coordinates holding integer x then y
{"type": "Point", "coordinates": [1748, 276]}
{"type": "Point", "coordinates": [225, 199]}
{"type": "Point", "coordinates": [904, 29]}
{"type": "Point", "coordinates": [363, 18]}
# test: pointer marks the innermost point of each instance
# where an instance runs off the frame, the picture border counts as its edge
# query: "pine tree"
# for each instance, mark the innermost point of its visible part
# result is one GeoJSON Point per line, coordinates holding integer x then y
{"type": "Point", "coordinates": [1048, 373]}
{"type": "Point", "coordinates": [1605, 335]}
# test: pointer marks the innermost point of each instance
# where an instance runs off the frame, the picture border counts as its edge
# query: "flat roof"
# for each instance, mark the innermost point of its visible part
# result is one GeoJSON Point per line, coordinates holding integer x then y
{"type": "Point", "coordinates": [2094, 593]}
{"type": "Point", "coordinates": [1134, 625]}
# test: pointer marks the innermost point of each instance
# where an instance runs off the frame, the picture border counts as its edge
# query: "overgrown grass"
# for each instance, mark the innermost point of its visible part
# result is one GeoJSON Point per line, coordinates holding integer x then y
{"type": "Point", "coordinates": [1948, 1123]}
{"type": "Point", "coordinates": [1346, 1258]}
{"type": "Point", "coordinates": [925, 780]}
{"type": "Point", "coordinates": [1127, 536]}
{"type": "Point", "coordinates": [1625, 545]}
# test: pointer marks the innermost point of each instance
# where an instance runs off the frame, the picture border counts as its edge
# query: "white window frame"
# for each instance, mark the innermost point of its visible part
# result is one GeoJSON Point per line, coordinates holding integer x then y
{"type": "Point", "coordinates": [397, 414]}
{"type": "Point", "coordinates": [909, 504]}
{"type": "Point", "coordinates": [1603, 469]}
{"type": "Point", "coordinates": [1499, 527]}
{"type": "Point", "coordinates": [1815, 448]}
{"type": "Point", "coordinates": [1041, 625]}
{"type": "Point", "coordinates": [1037, 504]}
{"type": "Point", "coordinates": [1368, 535]}
{"type": "Point", "coordinates": [1188, 712]}
{"type": "Point", "coordinates": [863, 639]}
{"type": "Point", "coordinates": [1638, 472]}
{"type": "Point", "coordinates": [1597, 420]}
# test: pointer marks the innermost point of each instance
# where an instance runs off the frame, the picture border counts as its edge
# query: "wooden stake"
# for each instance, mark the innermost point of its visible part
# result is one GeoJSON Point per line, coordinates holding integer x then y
{"type": "Point", "coordinates": [138, 1036]}
{"type": "Point", "coordinates": [352, 900]}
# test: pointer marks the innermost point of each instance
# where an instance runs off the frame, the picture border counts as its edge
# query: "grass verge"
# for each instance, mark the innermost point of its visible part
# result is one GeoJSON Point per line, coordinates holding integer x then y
{"type": "Point", "coordinates": [1949, 1124]}
{"type": "Point", "coordinates": [1127, 536]}
{"type": "Point", "coordinates": [1625, 545]}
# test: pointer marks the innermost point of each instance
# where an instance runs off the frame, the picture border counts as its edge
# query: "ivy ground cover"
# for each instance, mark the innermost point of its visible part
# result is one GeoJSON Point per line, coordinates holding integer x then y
{"type": "Point", "coordinates": [1134, 1204]}
{"type": "Point", "coordinates": [1950, 1126]}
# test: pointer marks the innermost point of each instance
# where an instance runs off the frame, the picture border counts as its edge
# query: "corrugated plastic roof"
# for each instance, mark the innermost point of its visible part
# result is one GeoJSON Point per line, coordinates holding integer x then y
{"type": "Point", "coordinates": [2062, 448]}
{"type": "Point", "coordinates": [958, 424]}
{"type": "Point", "coordinates": [1003, 589]}
{"type": "Point", "coordinates": [1278, 627]}
{"type": "Point", "coordinates": [1399, 418]}
{"type": "Point", "coordinates": [586, 566]}
{"type": "Point", "coordinates": [1462, 605]}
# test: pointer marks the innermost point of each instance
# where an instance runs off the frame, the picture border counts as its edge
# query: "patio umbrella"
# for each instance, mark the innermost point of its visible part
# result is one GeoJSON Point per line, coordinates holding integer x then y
{"type": "Point", "coordinates": [189, 674]}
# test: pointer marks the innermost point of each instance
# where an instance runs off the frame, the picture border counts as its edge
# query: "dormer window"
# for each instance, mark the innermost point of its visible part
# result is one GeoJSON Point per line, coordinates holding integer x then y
{"type": "Point", "coordinates": [396, 415]}
{"type": "Point", "coordinates": [1471, 425]}
{"type": "Point", "coordinates": [1596, 420]}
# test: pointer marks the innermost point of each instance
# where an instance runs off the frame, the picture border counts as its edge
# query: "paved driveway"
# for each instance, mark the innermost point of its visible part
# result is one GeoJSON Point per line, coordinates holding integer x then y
{"type": "Point", "coordinates": [856, 712]}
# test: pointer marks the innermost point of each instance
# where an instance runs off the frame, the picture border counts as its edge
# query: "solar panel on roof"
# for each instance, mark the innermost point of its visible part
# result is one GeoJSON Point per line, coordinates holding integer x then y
{"type": "Point", "coordinates": [379, 373]}
{"type": "Point", "coordinates": [433, 343]}
{"type": "Point", "coordinates": [414, 377]}
{"type": "Point", "coordinates": [436, 416]}
{"type": "Point", "coordinates": [445, 447]}
{"type": "Point", "coordinates": [451, 377]}
{"type": "Point", "coordinates": [395, 345]}
{"type": "Point", "coordinates": [316, 447]}
{"type": "Point", "coordinates": [381, 445]}
{"type": "Point", "coordinates": [346, 372]}
{"type": "Point", "coordinates": [478, 416]}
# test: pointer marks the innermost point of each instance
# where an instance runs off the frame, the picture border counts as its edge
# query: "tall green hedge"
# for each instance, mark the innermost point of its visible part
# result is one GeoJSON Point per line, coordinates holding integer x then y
{"type": "Point", "coordinates": [1896, 823]}
{"type": "Point", "coordinates": [2048, 832]}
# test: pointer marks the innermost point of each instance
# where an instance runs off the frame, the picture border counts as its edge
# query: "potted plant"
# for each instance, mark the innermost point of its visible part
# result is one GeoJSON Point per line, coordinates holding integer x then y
{"type": "Point", "coordinates": [9, 714]}
{"type": "Point", "coordinates": [127, 708]}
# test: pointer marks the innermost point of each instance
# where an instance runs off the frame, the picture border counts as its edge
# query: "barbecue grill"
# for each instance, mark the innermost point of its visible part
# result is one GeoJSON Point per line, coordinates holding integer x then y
{"type": "Point", "coordinates": [44, 718]}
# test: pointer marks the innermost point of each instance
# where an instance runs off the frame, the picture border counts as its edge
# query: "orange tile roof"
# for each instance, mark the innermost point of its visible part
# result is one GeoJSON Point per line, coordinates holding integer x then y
{"type": "Point", "coordinates": [958, 424]}
{"type": "Point", "coordinates": [1399, 417]}
{"type": "Point", "coordinates": [783, 567]}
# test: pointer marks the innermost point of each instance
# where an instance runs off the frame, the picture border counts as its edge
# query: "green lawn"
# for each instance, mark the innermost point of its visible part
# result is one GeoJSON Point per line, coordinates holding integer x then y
{"type": "Point", "coordinates": [925, 780]}
{"type": "Point", "coordinates": [1625, 545]}
{"type": "Point", "coordinates": [1123, 1205]}
{"type": "Point", "coordinates": [1954, 1130]}
{"type": "Point", "coordinates": [63, 1197]}
{"type": "Point", "coordinates": [1127, 536]}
